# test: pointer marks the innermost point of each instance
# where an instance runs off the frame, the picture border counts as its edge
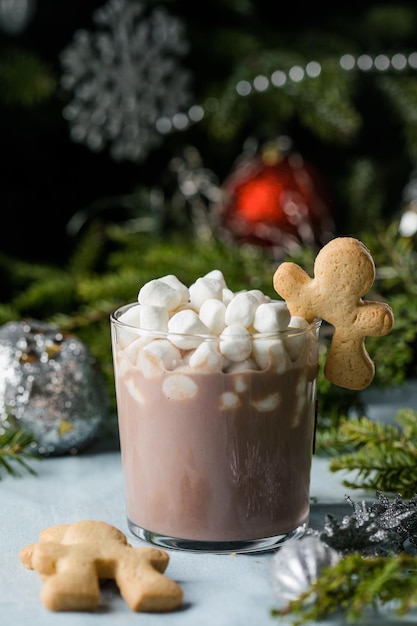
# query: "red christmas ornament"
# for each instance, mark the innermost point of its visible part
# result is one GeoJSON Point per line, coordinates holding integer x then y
{"type": "Point", "coordinates": [276, 201]}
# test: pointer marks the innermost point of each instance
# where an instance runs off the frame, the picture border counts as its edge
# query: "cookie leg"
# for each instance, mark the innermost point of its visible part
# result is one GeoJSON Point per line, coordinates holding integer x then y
{"type": "Point", "coordinates": [348, 364]}
{"type": "Point", "coordinates": [72, 589]}
{"type": "Point", "coordinates": [147, 590]}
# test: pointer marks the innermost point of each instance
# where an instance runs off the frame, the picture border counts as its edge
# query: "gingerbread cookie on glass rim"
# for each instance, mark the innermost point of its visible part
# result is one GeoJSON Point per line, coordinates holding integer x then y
{"type": "Point", "coordinates": [344, 272]}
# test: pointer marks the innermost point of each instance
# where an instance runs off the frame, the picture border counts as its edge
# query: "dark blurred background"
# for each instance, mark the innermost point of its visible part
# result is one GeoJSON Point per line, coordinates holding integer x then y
{"type": "Point", "coordinates": [358, 128]}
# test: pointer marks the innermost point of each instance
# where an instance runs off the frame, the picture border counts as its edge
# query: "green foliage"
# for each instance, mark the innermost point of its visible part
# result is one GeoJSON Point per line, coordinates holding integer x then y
{"type": "Point", "coordinates": [15, 451]}
{"type": "Point", "coordinates": [331, 115]}
{"type": "Point", "coordinates": [383, 457]}
{"type": "Point", "coordinates": [353, 586]}
{"type": "Point", "coordinates": [396, 261]}
{"type": "Point", "coordinates": [402, 94]}
{"type": "Point", "coordinates": [362, 183]}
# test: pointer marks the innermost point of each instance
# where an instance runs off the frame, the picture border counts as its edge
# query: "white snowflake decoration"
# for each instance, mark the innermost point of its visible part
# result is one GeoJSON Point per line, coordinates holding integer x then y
{"type": "Point", "coordinates": [124, 77]}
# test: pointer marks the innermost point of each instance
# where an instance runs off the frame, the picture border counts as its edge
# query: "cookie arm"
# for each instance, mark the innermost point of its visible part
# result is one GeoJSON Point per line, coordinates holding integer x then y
{"type": "Point", "coordinates": [375, 318]}
{"type": "Point", "coordinates": [26, 555]}
{"type": "Point", "coordinates": [293, 284]}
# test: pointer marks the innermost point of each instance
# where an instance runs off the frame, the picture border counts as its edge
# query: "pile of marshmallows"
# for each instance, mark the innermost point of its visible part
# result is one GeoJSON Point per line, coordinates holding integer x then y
{"type": "Point", "coordinates": [208, 328]}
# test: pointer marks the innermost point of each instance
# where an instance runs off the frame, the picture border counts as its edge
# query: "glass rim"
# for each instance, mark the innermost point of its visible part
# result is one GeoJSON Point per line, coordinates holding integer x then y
{"type": "Point", "coordinates": [313, 326]}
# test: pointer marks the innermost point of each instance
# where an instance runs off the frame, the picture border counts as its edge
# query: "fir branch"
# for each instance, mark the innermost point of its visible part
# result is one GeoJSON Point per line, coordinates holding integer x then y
{"type": "Point", "coordinates": [355, 584]}
{"type": "Point", "coordinates": [402, 92]}
{"type": "Point", "coordinates": [15, 451]}
{"type": "Point", "coordinates": [331, 441]}
{"type": "Point", "coordinates": [385, 455]}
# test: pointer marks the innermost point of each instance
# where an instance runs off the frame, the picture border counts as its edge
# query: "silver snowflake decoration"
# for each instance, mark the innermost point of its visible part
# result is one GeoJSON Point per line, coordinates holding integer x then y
{"type": "Point", "coordinates": [382, 528]}
{"type": "Point", "coordinates": [125, 77]}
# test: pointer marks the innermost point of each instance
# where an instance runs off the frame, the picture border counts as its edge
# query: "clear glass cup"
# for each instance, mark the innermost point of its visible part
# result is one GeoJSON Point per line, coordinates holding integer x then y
{"type": "Point", "coordinates": [215, 459]}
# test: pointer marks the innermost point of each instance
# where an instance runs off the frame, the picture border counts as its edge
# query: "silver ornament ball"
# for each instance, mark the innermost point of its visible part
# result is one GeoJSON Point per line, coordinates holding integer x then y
{"type": "Point", "coordinates": [297, 565]}
{"type": "Point", "coordinates": [50, 385]}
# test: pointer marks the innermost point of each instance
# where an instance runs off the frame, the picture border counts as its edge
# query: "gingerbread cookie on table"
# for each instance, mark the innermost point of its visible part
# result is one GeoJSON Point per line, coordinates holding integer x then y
{"type": "Point", "coordinates": [344, 272]}
{"type": "Point", "coordinates": [72, 559]}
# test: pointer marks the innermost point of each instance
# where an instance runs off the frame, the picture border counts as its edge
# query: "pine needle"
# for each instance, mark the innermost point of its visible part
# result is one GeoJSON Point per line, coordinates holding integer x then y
{"type": "Point", "coordinates": [16, 447]}
{"type": "Point", "coordinates": [384, 456]}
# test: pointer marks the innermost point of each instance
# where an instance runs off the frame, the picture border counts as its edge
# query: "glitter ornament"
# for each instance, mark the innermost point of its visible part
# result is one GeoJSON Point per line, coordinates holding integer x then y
{"type": "Point", "coordinates": [381, 529]}
{"type": "Point", "coordinates": [50, 386]}
{"type": "Point", "coordinates": [124, 78]}
{"type": "Point", "coordinates": [277, 200]}
{"type": "Point", "coordinates": [297, 565]}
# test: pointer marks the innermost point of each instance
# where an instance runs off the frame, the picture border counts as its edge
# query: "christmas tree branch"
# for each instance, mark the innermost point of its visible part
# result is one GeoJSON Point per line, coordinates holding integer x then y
{"type": "Point", "coordinates": [384, 456]}
{"type": "Point", "coordinates": [15, 446]}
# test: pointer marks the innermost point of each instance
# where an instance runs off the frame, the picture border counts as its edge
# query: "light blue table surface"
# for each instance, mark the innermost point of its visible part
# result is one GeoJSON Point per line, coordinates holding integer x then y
{"type": "Point", "coordinates": [219, 590]}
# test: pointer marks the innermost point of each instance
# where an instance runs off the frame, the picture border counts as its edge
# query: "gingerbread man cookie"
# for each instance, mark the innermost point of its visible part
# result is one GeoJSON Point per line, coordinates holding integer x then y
{"type": "Point", "coordinates": [344, 272]}
{"type": "Point", "coordinates": [73, 558]}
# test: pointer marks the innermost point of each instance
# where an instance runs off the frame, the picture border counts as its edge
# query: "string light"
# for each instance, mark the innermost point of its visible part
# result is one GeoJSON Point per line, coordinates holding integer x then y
{"type": "Point", "coordinates": [278, 79]}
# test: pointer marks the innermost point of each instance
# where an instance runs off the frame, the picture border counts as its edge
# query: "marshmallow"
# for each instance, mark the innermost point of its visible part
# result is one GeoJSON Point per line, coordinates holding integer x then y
{"type": "Point", "coordinates": [267, 403]}
{"type": "Point", "coordinates": [242, 366]}
{"type": "Point", "coordinates": [173, 281]}
{"type": "Point", "coordinates": [217, 275]}
{"type": "Point", "coordinates": [159, 293]}
{"type": "Point", "coordinates": [227, 295]}
{"type": "Point", "coordinates": [241, 309]}
{"type": "Point", "coordinates": [229, 400]}
{"type": "Point", "coordinates": [179, 387]}
{"type": "Point", "coordinates": [296, 321]}
{"type": "Point", "coordinates": [131, 316]}
{"type": "Point", "coordinates": [154, 317]}
{"type": "Point", "coordinates": [271, 317]}
{"type": "Point", "coordinates": [133, 349]}
{"type": "Point", "coordinates": [269, 353]}
{"type": "Point", "coordinates": [206, 357]}
{"type": "Point", "coordinates": [158, 356]}
{"type": "Point", "coordinates": [208, 308]}
{"type": "Point", "coordinates": [235, 343]}
{"type": "Point", "coordinates": [212, 314]}
{"type": "Point", "coordinates": [259, 295]}
{"type": "Point", "coordinates": [184, 328]}
{"type": "Point", "coordinates": [134, 391]}
{"type": "Point", "coordinates": [296, 343]}
{"type": "Point", "coordinates": [303, 390]}
{"type": "Point", "coordinates": [203, 289]}
{"type": "Point", "coordinates": [240, 384]}
{"type": "Point", "coordinates": [123, 366]}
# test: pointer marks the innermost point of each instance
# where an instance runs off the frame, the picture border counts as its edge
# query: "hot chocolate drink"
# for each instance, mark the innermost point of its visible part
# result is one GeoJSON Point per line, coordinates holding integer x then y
{"type": "Point", "coordinates": [216, 422]}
